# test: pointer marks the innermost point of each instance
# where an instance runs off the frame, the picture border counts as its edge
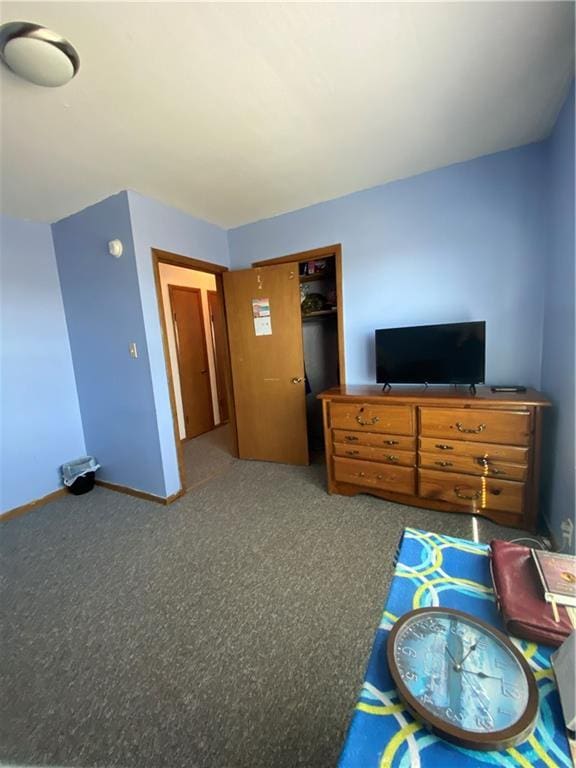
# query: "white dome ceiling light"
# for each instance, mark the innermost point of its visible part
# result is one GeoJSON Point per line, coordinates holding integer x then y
{"type": "Point", "coordinates": [36, 54]}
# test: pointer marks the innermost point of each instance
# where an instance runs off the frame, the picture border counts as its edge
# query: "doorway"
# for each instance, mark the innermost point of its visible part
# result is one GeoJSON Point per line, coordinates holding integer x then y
{"type": "Point", "coordinates": [193, 321]}
{"type": "Point", "coordinates": [286, 346]}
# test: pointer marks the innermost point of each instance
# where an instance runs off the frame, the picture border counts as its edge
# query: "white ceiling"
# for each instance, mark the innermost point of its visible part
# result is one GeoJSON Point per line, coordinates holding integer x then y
{"type": "Point", "coordinates": [236, 112]}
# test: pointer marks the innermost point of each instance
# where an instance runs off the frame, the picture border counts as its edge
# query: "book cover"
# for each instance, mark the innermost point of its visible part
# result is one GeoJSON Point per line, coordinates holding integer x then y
{"type": "Point", "coordinates": [558, 575]}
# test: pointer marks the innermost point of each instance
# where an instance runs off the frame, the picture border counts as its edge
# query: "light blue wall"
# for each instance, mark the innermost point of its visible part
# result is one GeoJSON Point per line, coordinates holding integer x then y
{"type": "Point", "coordinates": [464, 242]}
{"type": "Point", "coordinates": [155, 225]}
{"type": "Point", "coordinates": [40, 425]}
{"type": "Point", "coordinates": [104, 314]}
{"type": "Point", "coordinates": [558, 349]}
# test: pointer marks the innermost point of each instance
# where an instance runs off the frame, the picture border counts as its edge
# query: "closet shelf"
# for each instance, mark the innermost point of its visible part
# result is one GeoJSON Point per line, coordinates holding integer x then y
{"type": "Point", "coordinates": [320, 313]}
{"type": "Point", "coordinates": [317, 276]}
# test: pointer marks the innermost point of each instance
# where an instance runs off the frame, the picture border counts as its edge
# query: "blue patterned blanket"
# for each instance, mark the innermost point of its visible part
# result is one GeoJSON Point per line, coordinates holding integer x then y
{"type": "Point", "coordinates": [439, 570]}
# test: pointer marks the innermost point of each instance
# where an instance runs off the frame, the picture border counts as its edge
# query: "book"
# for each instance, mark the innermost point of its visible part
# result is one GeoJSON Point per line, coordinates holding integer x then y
{"type": "Point", "coordinates": [558, 576]}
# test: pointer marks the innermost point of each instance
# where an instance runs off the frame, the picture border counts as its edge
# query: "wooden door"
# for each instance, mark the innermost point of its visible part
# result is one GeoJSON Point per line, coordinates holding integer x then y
{"type": "Point", "coordinates": [188, 319]}
{"type": "Point", "coordinates": [267, 369]}
{"type": "Point", "coordinates": [219, 346]}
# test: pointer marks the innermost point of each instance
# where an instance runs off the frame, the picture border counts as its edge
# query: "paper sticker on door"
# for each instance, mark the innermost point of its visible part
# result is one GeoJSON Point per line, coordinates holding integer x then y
{"type": "Point", "coordinates": [261, 315]}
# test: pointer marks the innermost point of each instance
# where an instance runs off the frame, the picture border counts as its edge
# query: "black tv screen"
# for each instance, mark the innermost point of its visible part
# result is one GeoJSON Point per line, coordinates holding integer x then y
{"type": "Point", "coordinates": [452, 353]}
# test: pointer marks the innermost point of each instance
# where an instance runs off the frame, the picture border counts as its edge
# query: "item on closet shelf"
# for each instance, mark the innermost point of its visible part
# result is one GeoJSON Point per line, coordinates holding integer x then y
{"type": "Point", "coordinates": [517, 588]}
{"type": "Point", "coordinates": [314, 302]}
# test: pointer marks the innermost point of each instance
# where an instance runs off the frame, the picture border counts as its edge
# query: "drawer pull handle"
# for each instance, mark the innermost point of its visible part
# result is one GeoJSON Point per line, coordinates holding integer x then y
{"type": "Point", "coordinates": [352, 453]}
{"type": "Point", "coordinates": [361, 474]}
{"type": "Point", "coordinates": [444, 447]}
{"type": "Point", "coordinates": [444, 463]}
{"type": "Point", "coordinates": [473, 431]}
{"type": "Point", "coordinates": [367, 422]}
{"type": "Point", "coordinates": [485, 462]}
{"type": "Point", "coordinates": [379, 477]}
{"type": "Point", "coordinates": [496, 491]}
{"type": "Point", "coordinates": [461, 495]}
{"type": "Point", "coordinates": [391, 442]}
{"type": "Point", "coordinates": [390, 457]}
{"type": "Point", "coordinates": [351, 438]}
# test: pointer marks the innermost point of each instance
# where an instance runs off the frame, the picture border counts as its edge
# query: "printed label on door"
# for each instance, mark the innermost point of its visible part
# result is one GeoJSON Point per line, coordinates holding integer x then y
{"type": "Point", "coordinates": [261, 315]}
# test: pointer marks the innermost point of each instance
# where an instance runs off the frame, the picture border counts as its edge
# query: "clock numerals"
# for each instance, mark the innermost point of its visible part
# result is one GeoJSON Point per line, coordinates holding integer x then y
{"type": "Point", "coordinates": [482, 643]}
{"type": "Point", "coordinates": [407, 651]}
{"type": "Point", "coordinates": [454, 717]}
{"type": "Point", "coordinates": [501, 664]}
{"type": "Point", "coordinates": [511, 690]}
{"type": "Point", "coordinates": [485, 721]}
{"type": "Point", "coordinates": [409, 675]}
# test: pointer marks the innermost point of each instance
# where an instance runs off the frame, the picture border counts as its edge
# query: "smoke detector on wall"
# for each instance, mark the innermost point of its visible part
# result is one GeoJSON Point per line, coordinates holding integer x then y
{"type": "Point", "coordinates": [37, 54]}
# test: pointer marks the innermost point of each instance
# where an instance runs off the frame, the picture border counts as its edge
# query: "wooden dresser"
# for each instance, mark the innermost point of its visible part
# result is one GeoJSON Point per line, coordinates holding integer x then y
{"type": "Point", "coordinates": [437, 447]}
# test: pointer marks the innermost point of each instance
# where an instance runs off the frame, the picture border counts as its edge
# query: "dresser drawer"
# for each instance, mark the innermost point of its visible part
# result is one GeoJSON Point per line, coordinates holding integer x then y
{"type": "Point", "coordinates": [395, 442]}
{"type": "Point", "coordinates": [385, 455]}
{"type": "Point", "coordinates": [476, 493]}
{"type": "Point", "coordinates": [393, 419]}
{"type": "Point", "coordinates": [490, 451]}
{"type": "Point", "coordinates": [476, 425]}
{"type": "Point", "coordinates": [473, 466]}
{"type": "Point", "coordinates": [367, 473]}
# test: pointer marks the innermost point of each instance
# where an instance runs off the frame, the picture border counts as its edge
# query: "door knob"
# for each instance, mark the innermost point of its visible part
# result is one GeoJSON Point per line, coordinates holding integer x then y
{"type": "Point", "coordinates": [297, 380]}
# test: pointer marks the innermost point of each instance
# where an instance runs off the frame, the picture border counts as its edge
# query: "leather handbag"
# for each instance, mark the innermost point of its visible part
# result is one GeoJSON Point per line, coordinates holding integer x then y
{"type": "Point", "coordinates": [520, 597]}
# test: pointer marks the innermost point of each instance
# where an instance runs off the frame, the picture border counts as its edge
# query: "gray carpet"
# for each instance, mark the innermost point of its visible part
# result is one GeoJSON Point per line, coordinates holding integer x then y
{"type": "Point", "coordinates": [229, 630]}
{"type": "Point", "coordinates": [208, 456]}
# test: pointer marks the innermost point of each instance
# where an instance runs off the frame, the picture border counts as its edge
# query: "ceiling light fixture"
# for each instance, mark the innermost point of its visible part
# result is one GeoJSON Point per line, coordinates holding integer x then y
{"type": "Point", "coordinates": [38, 55]}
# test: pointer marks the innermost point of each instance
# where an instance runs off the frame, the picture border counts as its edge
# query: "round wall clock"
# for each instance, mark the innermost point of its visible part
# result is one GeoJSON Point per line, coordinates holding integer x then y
{"type": "Point", "coordinates": [462, 678]}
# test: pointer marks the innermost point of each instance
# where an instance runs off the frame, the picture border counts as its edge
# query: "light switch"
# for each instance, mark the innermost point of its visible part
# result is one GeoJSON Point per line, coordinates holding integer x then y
{"type": "Point", "coordinates": [133, 349]}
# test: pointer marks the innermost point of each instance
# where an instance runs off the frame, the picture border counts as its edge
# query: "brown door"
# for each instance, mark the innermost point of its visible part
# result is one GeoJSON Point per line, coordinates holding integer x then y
{"type": "Point", "coordinates": [267, 368]}
{"type": "Point", "coordinates": [186, 305]}
{"type": "Point", "coordinates": [219, 346]}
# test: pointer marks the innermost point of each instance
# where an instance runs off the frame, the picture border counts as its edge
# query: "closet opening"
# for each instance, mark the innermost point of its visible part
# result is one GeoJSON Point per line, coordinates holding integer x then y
{"type": "Point", "coordinates": [322, 323]}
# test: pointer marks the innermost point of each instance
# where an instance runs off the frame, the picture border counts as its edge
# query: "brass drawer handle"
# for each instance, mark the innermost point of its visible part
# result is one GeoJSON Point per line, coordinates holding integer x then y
{"type": "Point", "coordinates": [474, 431]}
{"type": "Point", "coordinates": [485, 462]}
{"type": "Point", "coordinates": [351, 453]}
{"type": "Point", "coordinates": [361, 474]}
{"type": "Point", "coordinates": [444, 447]}
{"type": "Point", "coordinates": [444, 463]}
{"type": "Point", "coordinates": [459, 492]}
{"type": "Point", "coordinates": [351, 438]}
{"type": "Point", "coordinates": [379, 477]}
{"type": "Point", "coordinates": [392, 458]}
{"type": "Point", "coordinates": [367, 422]}
{"type": "Point", "coordinates": [391, 442]}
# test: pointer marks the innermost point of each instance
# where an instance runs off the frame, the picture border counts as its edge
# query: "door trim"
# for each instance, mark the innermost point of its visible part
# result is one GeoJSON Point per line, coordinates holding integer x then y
{"type": "Point", "coordinates": [319, 253]}
{"type": "Point", "coordinates": [165, 257]}
{"type": "Point", "coordinates": [219, 373]}
{"type": "Point", "coordinates": [198, 292]}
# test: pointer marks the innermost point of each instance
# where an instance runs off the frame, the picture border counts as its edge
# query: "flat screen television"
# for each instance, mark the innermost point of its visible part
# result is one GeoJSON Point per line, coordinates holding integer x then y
{"type": "Point", "coordinates": [451, 353]}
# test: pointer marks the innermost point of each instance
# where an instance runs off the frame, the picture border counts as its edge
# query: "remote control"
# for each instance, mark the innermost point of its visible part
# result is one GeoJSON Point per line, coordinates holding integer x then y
{"type": "Point", "coordinates": [508, 389]}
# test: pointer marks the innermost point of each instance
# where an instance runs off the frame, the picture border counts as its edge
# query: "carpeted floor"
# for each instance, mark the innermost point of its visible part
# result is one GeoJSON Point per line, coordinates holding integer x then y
{"type": "Point", "coordinates": [229, 630]}
{"type": "Point", "coordinates": [208, 456]}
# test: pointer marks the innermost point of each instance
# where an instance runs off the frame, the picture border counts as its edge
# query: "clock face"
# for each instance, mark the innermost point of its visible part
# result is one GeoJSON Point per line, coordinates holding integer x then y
{"type": "Point", "coordinates": [462, 676]}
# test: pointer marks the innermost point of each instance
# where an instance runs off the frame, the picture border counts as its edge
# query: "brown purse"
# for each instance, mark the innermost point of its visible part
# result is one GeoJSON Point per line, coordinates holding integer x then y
{"type": "Point", "coordinates": [520, 597]}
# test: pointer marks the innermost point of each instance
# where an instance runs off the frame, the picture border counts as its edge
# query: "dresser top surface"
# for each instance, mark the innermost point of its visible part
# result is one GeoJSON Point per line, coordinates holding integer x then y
{"type": "Point", "coordinates": [435, 395]}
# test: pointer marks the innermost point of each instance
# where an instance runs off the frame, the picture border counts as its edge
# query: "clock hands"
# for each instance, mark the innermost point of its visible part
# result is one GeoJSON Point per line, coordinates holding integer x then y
{"type": "Point", "coordinates": [458, 664]}
{"type": "Point", "coordinates": [482, 675]}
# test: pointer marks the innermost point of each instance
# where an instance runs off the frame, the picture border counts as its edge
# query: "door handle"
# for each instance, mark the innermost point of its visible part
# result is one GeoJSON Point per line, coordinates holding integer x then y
{"type": "Point", "coordinates": [297, 380]}
{"type": "Point", "coordinates": [203, 371]}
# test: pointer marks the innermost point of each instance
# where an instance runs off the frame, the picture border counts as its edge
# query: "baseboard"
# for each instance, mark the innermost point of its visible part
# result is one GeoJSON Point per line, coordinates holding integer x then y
{"type": "Point", "coordinates": [140, 494]}
{"type": "Point", "coordinates": [17, 511]}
